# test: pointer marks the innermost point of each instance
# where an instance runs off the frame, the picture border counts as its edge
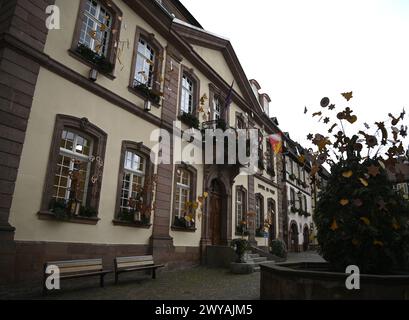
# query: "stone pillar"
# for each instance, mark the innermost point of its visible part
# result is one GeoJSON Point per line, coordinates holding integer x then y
{"type": "Point", "coordinates": [22, 22]}
{"type": "Point", "coordinates": [161, 241]}
{"type": "Point", "coordinates": [251, 211]}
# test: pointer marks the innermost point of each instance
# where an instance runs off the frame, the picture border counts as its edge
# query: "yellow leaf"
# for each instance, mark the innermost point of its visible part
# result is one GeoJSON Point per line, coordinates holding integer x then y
{"type": "Point", "coordinates": [364, 182]}
{"type": "Point", "coordinates": [334, 225]}
{"type": "Point", "coordinates": [365, 220]}
{"type": "Point", "coordinates": [205, 195]}
{"type": "Point", "coordinates": [344, 202]}
{"type": "Point", "coordinates": [347, 174]}
{"type": "Point", "coordinates": [378, 243]}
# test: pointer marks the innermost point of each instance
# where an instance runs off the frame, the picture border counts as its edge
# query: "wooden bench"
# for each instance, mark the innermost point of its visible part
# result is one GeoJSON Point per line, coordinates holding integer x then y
{"type": "Point", "coordinates": [137, 263]}
{"type": "Point", "coordinates": [77, 269]}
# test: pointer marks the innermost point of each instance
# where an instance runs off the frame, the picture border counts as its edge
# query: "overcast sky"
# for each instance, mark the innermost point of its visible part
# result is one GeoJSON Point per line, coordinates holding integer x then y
{"type": "Point", "coordinates": [300, 51]}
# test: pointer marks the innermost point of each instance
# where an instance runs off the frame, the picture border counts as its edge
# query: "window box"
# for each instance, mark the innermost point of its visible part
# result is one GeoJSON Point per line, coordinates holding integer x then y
{"type": "Point", "coordinates": [70, 210]}
{"type": "Point", "coordinates": [241, 230]}
{"type": "Point", "coordinates": [260, 233]}
{"type": "Point", "coordinates": [48, 215]}
{"type": "Point", "coordinates": [100, 62]}
{"type": "Point", "coordinates": [126, 217]}
{"type": "Point", "coordinates": [292, 176]}
{"type": "Point", "coordinates": [294, 209]}
{"type": "Point", "coordinates": [190, 120]}
{"type": "Point", "coordinates": [180, 224]}
{"type": "Point", "coordinates": [146, 92]}
{"type": "Point", "coordinates": [261, 165]}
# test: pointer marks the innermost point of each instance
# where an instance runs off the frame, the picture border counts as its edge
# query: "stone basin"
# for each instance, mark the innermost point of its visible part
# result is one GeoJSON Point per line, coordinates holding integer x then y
{"type": "Point", "coordinates": [314, 281]}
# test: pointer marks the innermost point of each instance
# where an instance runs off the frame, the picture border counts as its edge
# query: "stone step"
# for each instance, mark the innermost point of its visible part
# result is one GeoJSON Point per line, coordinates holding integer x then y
{"type": "Point", "coordinates": [253, 255]}
{"type": "Point", "coordinates": [256, 269]}
{"type": "Point", "coordinates": [259, 259]}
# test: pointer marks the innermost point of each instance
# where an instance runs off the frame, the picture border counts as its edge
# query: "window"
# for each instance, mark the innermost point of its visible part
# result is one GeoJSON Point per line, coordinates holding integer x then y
{"type": "Point", "coordinates": [292, 197]}
{"type": "Point", "coordinates": [187, 94]}
{"type": "Point", "coordinates": [145, 62]}
{"type": "Point", "coordinates": [183, 185]}
{"type": "Point", "coordinates": [74, 177]}
{"type": "Point", "coordinates": [217, 108]}
{"type": "Point", "coordinates": [96, 27]}
{"type": "Point", "coordinates": [305, 203]}
{"type": "Point", "coordinates": [135, 185]}
{"type": "Point", "coordinates": [271, 208]}
{"type": "Point", "coordinates": [241, 209]}
{"type": "Point", "coordinates": [97, 31]}
{"type": "Point", "coordinates": [184, 197]}
{"type": "Point", "coordinates": [259, 211]}
{"type": "Point", "coordinates": [240, 123]}
{"type": "Point", "coordinates": [270, 158]}
{"type": "Point", "coordinates": [73, 169]}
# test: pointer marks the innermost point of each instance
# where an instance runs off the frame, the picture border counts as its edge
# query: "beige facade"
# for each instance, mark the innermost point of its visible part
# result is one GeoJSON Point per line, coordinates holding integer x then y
{"type": "Point", "coordinates": [110, 106]}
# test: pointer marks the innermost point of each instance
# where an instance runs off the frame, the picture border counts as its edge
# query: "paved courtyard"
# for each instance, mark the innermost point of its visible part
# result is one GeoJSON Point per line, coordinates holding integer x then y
{"type": "Point", "coordinates": [199, 283]}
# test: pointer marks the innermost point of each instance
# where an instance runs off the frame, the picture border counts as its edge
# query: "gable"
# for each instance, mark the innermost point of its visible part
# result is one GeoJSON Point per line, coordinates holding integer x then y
{"type": "Point", "coordinates": [217, 61]}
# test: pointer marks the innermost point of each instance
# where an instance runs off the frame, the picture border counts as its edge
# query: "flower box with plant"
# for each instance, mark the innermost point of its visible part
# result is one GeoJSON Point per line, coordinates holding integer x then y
{"type": "Point", "coordinates": [293, 209]}
{"type": "Point", "coordinates": [66, 209]}
{"type": "Point", "coordinates": [147, 92]}
{"type": "Point", "coordinates": [260, 233]}
{"type": "Point", "coordinates": [100, 62]}
{"type": "Point", "coordinates": [190, 120]}
{"type": "Point", "coordinates": [292, 176]}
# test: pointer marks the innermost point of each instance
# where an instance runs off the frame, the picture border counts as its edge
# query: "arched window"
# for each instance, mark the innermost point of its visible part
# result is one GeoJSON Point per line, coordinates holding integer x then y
{"type": "Point", "coordinates": [74, 178]}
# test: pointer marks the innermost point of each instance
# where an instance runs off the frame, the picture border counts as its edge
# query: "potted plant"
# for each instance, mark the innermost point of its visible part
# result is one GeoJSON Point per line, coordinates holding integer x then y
{"type": "Point", "coordinates": [190, 120]}
{"type": "Point", "coordinates": [240, 246]}
{"type": "Point", "coordinates": [100, 62]}
{"type": "Point", "coordinates": [278, 248]}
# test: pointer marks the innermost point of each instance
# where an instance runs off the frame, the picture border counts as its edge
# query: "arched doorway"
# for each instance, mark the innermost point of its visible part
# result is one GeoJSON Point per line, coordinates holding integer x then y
{"type": "Point", "coordinates": [293, 236]}
{"type": "Point", "coordinates": [306, 238]}
{"type": "Point", "coordinates": [218, 215]}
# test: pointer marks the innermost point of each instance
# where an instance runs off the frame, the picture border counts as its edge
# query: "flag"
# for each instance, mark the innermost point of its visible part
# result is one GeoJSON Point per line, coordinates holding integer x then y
{"type": "Point", "coordinates": [276, 143]}
{"type": "Point", "coordinates": [228, 100]}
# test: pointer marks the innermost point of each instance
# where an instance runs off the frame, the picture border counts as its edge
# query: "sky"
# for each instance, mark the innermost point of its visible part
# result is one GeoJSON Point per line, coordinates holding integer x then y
{"type": "Point", "coordinates": [301, 51]}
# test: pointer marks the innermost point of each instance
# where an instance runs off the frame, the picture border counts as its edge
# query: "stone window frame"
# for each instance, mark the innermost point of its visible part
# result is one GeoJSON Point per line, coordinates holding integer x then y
{"type": "Point", "coordinates": [245, 205]}
{"type": "Point", "coordinates": [260, 197]}
{"type": "Point", "coordinates": [114, 37]}
{"type": "Point", "coordinates": [196, 92]}
{"type": "Point", "coordinates": [99, 140]}
{"type": "Point", "coordinates": [140, 149]}
{"type": "Point", "coordinates": [158, 66]}
{"type": "Point", "coordinates": [192, 196]}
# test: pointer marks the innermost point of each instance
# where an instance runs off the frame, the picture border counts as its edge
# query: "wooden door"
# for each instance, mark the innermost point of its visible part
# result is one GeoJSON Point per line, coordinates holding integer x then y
{"type": "Point", "coordinates": [216, 218]}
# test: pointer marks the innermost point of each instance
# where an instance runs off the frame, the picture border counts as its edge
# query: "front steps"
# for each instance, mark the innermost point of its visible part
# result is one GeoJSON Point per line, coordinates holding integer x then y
{"type": "Point", "coordinates": [254, 259]}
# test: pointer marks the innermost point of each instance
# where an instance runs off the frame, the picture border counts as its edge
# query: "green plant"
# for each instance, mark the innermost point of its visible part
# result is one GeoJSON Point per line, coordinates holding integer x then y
{"type": "Point", "coordinates": [88, 212]}
{"type": "Point", "coordinates": [360, 219]}
{"type": "Point", "coordinates": [190, 120]}
{"type": "Point", "coordinates": [60, 209]}
{"type": "Point", "coordinates": [278, 248]}
{"type": "Point", "coordinates": [240, 246]}
{"type": "Point", "coordinates": [182, 223]}
{"type": "Point", "coordinates": [293, 209]}
{"type": "Point", "coordinates": [292, 176]}
{"type": "Point", "coordinates": [221, 124]}
{"type": "Point", "coordinates": [242, 230]}
{"type": "Point", "coordinates": [99, 61]}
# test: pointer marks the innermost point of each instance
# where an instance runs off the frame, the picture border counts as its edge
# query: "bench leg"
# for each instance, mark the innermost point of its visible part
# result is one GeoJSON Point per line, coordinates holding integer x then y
{"type": "Point", "coordinates": [101, 280]}
{"type": "Point", "coordinates": [154, 273]}
{"type": "Point", "coordinates": [116, 277]}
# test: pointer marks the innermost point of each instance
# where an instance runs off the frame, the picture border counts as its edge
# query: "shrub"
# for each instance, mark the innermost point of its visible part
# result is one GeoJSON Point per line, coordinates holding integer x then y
{"type": "Point", "coordinates": [240, 246]}
{"type": "Point", "coordinates": [278, 248]}
{"type": "Point", "coordinates": [360, 219]}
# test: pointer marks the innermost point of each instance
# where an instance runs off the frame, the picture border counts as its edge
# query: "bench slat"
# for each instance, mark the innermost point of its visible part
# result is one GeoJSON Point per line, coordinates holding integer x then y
{"type": "Point", "coordinates": [74, 263]}
{"type": "Point", "coordinates": [80, 269]}
{"type": "Point", "coordinates": [135, 258]}
{"type": "Point", "coordinates": [135, 264]}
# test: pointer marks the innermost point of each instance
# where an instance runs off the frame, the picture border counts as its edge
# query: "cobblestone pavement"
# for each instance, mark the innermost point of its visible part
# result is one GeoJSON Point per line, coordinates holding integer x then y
{"type": "Point", "coordinates": [199, 283]}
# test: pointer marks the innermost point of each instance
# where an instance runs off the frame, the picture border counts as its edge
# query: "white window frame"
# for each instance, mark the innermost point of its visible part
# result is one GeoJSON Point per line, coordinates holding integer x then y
{"type": "Point", "coordinates": [72, 154]}
{"type": "Point", "coordinates": [148, 57]}
{"type": "Point", "coordinates": [217, 108]}
{"type": "Point", "coordinates": [97, 25]}
{"type": "Point", "coordinates": [187, 95]}
{"type": "Point", "coordinates": [133, 172]}
{"type": "Point", "coordinates": [179, 188]}
{"type": "Point", "coordinates": [239, 203]}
